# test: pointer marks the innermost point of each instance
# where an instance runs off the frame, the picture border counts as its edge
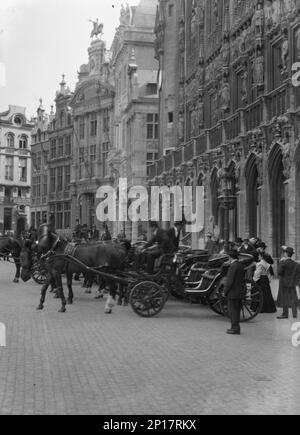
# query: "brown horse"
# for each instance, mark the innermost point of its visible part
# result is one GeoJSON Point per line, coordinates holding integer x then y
{"type": "Point", "coordinates": [107, 256]}
{"type": "Point", "coordinates": [12, 246]}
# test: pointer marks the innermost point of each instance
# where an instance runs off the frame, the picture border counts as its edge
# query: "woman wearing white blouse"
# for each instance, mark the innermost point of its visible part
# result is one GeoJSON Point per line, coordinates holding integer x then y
{"type": "Point", "coordinates": [262, 278]}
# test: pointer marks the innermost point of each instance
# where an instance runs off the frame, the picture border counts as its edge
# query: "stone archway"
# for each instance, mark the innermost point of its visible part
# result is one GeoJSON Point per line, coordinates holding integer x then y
{"type": "Point", "coordinates": [278, 199]}
{"type": "Point", "coordinates": [253, 200]}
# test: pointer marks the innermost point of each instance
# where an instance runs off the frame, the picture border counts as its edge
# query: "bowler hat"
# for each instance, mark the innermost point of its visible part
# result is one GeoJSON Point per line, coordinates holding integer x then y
{"type": "Point", "coordinates": [233, 253]}
{"type": "Point", "coordinates": [290, 251]}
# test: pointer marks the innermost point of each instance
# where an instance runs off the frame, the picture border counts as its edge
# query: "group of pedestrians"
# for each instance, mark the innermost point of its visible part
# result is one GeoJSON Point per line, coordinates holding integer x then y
{"type": "Point", "coordinates": [289, 279]}
{"type": "Point", "coordinates": [84, 233]}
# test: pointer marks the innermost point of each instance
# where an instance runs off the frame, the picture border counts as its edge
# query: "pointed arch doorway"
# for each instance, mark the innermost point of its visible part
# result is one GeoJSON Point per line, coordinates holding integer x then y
{"type": "Point", "coordinates": [278, 199]}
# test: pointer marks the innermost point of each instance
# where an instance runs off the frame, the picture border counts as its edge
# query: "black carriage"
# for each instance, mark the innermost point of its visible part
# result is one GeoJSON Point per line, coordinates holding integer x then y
{"type": "Point", "coordinates": [205, 280]}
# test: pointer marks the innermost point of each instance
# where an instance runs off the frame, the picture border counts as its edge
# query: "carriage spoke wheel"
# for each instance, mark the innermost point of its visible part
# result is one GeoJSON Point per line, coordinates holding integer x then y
{"type": "Point", "coordinates": [147, 299]}
{"type": "Point", "coordinates": [252, 302]}
{"type": "Point", "coordinates": [40, 273]}
{"type": "Point", "coordinates": [216, 300]}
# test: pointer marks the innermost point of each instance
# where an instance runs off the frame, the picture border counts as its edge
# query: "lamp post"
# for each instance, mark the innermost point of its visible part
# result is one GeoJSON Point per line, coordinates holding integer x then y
{"type": "Point", "coordinates": [227, 199]}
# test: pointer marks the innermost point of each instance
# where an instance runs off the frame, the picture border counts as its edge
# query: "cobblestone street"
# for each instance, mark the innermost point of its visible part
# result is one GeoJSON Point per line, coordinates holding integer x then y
{"type": "Point", "coordinates": [182, 362]}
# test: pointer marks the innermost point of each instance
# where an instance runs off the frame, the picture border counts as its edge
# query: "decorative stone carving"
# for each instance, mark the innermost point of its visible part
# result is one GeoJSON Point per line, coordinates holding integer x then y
{"type": "Point", "coordinates": [225, 96]}
{"type": "Point", "coordinates": [259, 69]}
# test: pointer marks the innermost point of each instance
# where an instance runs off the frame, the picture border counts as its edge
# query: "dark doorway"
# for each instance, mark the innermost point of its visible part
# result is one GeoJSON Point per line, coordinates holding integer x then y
{"type": "Point", "coordinates": [21, 223]}
{"type": "Point", "coordinates": [7, 220]}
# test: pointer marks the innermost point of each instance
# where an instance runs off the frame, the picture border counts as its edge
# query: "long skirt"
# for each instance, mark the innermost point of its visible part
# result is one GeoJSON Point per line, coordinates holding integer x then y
{"type": "Point", "coordinates": [269, 306]}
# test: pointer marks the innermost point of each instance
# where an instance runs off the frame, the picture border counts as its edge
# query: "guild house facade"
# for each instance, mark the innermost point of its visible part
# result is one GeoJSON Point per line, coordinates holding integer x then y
{"type": "Point", "coordinates": [230, 115]}
{"type": "Point", "coordinates": [15, 167]}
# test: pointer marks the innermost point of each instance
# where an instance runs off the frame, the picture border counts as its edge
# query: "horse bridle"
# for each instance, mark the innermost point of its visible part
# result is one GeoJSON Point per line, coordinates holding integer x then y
{"type": "Point", "coordinates": [52, 249]}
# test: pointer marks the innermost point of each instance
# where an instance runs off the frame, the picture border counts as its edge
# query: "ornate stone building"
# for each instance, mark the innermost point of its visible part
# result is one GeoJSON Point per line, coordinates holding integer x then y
{"type": "Point", "coordinates": [92, 105]}
{"type": "Point", "coordinates": [40, 149]}
{"type": "Point", "coordinates": [60, 157]}
{"type": "Point", "coordinates": [136, 101]}
{"type": "Point", "coordinates": [237, 130]}
{"type": "Point", "coordinates": [15, 167]}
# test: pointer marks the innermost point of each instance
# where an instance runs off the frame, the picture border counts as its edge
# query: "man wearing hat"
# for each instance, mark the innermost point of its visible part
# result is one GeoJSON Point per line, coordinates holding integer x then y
{"type": "Point", "coordinates": [289, 276]}
{"type": "Point", "coordinates": [175, 234]}
{"type": "Point", "coordinates": [234, 291]}
{"type": "Point", "coordinates": [161, 244]}
{"type": "Point", "coordinates": [247, 248]}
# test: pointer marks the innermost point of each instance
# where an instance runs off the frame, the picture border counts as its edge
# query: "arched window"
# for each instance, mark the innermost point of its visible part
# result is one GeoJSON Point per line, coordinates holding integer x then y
{"type": "Point", "coordinates": [10, 140]}
{"type": "Point", "coordinates": [23, 142]}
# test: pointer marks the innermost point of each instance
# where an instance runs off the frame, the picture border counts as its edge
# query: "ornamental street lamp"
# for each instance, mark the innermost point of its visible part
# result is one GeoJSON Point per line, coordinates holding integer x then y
{"type": "Point", "coordinates": [227, 199]}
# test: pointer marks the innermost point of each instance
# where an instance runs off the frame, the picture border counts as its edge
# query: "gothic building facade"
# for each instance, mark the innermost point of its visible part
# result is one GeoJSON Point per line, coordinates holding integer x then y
{"type": "Point", "coordinates": [236, 114]}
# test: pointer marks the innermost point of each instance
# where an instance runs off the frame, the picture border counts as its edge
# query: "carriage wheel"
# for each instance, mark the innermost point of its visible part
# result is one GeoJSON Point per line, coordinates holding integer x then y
{"type": "Point", "coordinates": [216, 300]}
{"type": "Point", "coordinates": [252, 302]}
{"type": "Point", "coordinates": [251, 305]}
{"type": "Point", "coordinates": [147, 299]}
{"type": "Point", "coordinates": [39, 274]}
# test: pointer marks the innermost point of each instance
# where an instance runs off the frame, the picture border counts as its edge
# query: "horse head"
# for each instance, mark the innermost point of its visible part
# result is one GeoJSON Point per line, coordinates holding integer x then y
{"type": "Point", "coordinates": [26, 258]}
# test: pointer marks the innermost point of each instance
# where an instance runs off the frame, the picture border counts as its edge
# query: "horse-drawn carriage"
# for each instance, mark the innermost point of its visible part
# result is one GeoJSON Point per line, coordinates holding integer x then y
{"type": "Point", "coordinates": [188, 273]}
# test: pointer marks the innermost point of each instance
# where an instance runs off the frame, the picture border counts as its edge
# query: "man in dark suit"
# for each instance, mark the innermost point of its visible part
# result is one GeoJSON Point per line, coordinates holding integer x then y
{"type": "Point", "coordinates": [163, 246]}
{"type": "Point", "coordinates": [234, 291]}
{"type": "Point", "coordinates": [175, 234]}
{"type": "Point", "coordinates": [289, 276]}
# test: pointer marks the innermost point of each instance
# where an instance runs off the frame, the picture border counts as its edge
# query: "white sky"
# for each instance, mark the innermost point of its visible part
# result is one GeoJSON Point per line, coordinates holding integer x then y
{"type": "Point", "coordinates": [42, 39]}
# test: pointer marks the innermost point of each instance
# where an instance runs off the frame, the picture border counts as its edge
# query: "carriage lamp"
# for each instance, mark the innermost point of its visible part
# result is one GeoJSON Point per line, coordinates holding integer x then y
{"type": "Point", "coordinates": [227, 199]}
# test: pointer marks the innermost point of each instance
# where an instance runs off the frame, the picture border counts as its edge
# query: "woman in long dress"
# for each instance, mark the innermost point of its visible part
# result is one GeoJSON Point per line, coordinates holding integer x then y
{"type": "Point", "coordinates": [262, 278]}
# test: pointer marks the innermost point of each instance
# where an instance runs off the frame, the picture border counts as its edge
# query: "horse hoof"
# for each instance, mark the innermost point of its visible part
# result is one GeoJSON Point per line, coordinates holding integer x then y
{"type": "Point", "coordinates": [108, 311]}
{"type": "Point", "coordinates": [70, 301]}
{"type": "Point", "coordinates": [40, 307]}
{"type": "Point", "coordinates": [62, 310]}
{"type": "Point", "coordinates": [16, 281]}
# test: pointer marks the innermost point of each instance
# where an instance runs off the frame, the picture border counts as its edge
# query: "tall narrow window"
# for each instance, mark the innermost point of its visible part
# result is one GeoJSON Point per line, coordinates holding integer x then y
{"type": "Point", "coordinates": [67, 177]}
{"type": "Point", "coordinates": [45, 185]}
{"type": "Point", "coordinates": [23, 142]}
{"type": "Point", "coordinates": [68, 146]}
{"type": "Point", "coordinates": [10, 140]}
{"type": "Point", "coordinates": [152, 126]}
{"type": "Point", "coordinates": [23, 170]}
{"type": "Point", "coordinates": [81, 128]}
{"type": "Point", "coordinates": [94, 124]}
{"type": "Point", "coordinates": [52, 180]}
{"type": "Point", "coordinates": [105, 151]}
{"type": "Point", "coordinates": [60, 178]}
{"type": "Point", "coordinates": [53, 149]}
{"type": "Point", "coordinates": [60, 147]}
{"type": "Point", "coordinates": [106, 121]}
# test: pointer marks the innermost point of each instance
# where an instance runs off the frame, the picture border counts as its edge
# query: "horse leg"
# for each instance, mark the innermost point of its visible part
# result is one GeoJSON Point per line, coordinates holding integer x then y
{"type": "Point", "coordinates": [110, 302]}
{"type": "Point", "coordinates": [125, 293]}
{"type": "Point", "coordinates": [18, 269]}
{"type": "Point", "coordinates": [101, 288]}
{"type": "Point", "coordinates": [60, 290]}
{"type": "Point", "coordinates": [69, 284]}
{"type": "Point", "coordinates": [43, 293]}
{"type": "Point", "coordinates": [89, 283]}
